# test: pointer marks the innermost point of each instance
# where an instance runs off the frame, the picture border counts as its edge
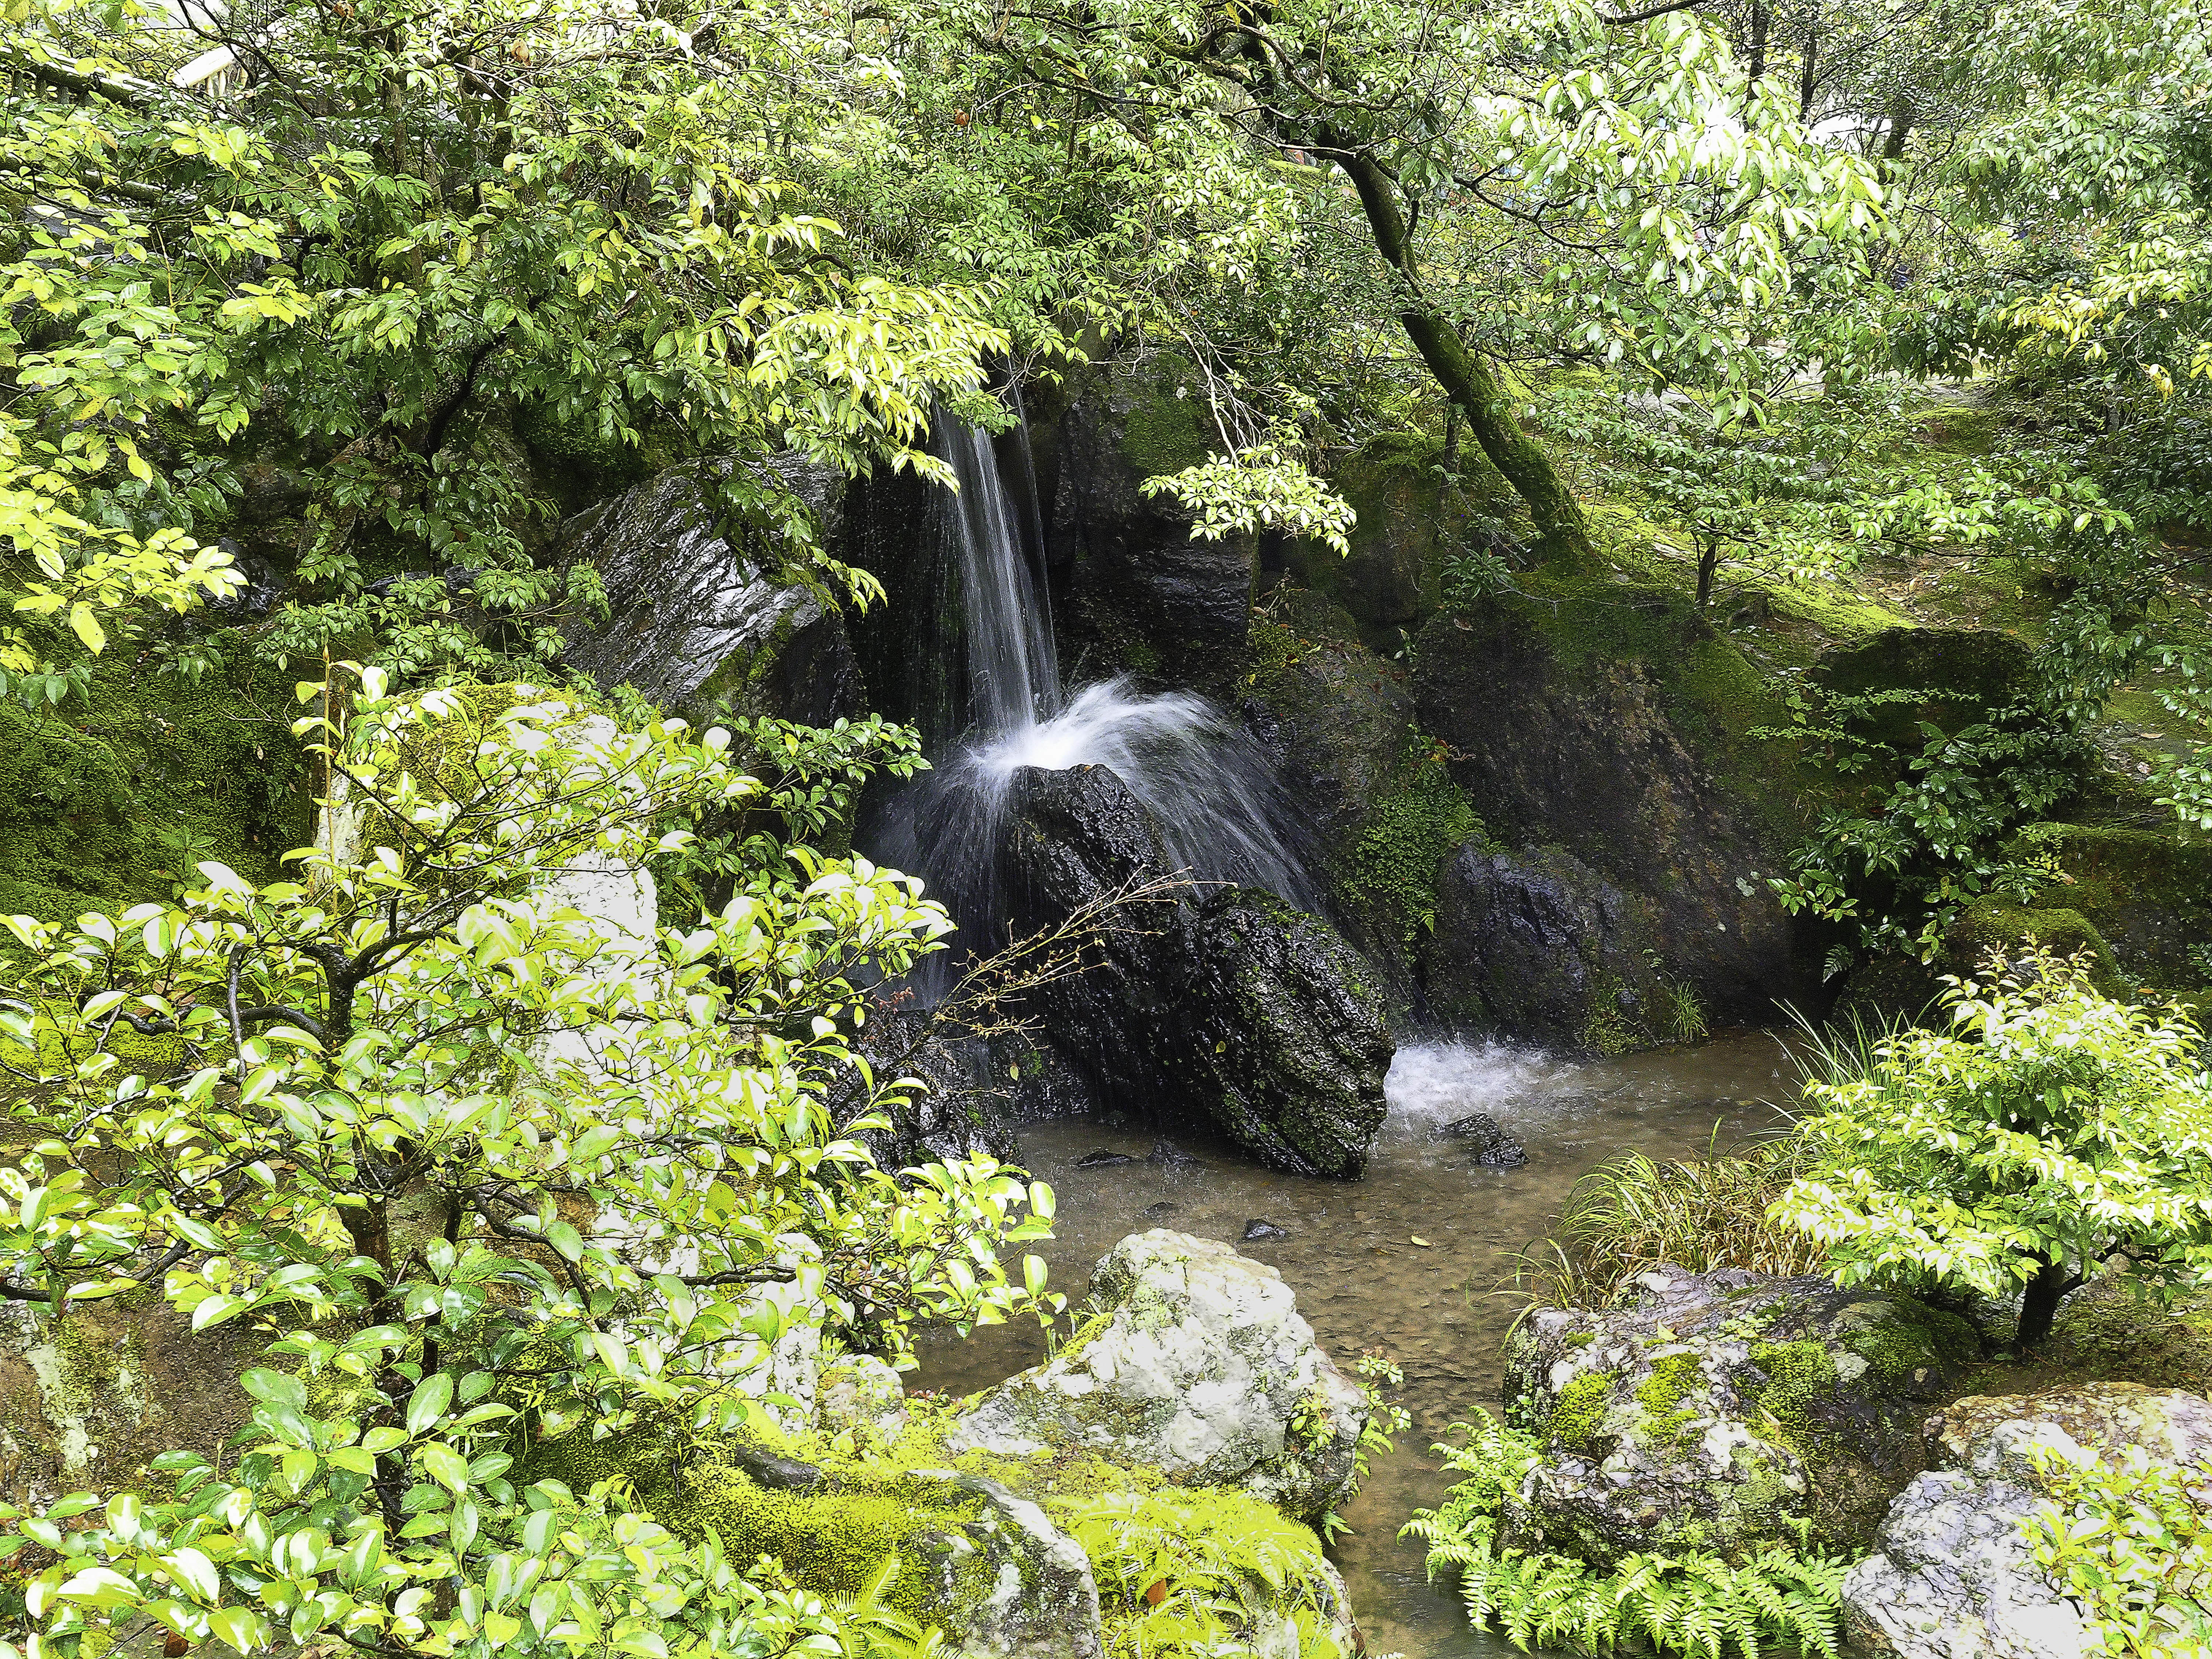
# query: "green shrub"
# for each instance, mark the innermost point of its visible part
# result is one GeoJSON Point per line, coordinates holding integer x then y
{"type": "Point", "coordinates": [2129, 1547]}
{"type": "Point", "coordinates": [1693, 1602]}
{"type": "Point", "coordinates": [2050, 1129]}
{"type": "Point", "coordinates": [1183, 1574]}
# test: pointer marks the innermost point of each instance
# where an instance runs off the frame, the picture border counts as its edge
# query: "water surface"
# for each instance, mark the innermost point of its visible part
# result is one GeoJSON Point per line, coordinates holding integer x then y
{"type": "Point", "coordinates": [1361, 1280]}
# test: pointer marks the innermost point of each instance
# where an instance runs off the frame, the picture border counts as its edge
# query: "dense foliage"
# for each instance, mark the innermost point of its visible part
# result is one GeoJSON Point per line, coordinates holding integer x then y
{"type": "Point", "coordinates": [2049, 1132]}
{"type": "Point", "coordinates": [481, 1153]}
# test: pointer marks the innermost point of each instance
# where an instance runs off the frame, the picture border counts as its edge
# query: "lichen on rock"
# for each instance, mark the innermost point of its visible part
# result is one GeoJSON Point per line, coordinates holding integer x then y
{"type": "Point", "coordinates": [1723, 1411]}
{"type": "Point", "coordinates": [1202, 1369]}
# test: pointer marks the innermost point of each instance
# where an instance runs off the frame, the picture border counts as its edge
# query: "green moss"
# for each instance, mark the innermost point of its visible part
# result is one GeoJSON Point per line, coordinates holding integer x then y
{"type": "Point", "coordinates": [830, 1542]}
{"type": "Point", "coordinates": [1662, 1393]}
{"type": "Point", "coordinates": [1164, 431]}
{"type": "Point", "coordinates": [1393, 868]}
{"type": "Point", "coordinates": [1799, 1376]}
{"type": "Point", "coordinates": [108, 803]}
{"type": "Point", "coordinates": [1578, 1419]}
{"type": "Point", "coordinates": [1918, 1339]}
{"type": "Point", "coordinates": [1993, 928]}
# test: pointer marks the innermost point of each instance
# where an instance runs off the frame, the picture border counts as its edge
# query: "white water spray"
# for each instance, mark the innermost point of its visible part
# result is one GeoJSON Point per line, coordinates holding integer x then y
{"type": "Point", "coordinates": [1211, 792]}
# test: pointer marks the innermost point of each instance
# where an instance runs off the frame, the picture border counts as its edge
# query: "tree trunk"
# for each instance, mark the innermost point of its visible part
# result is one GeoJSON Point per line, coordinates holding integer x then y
{"type": "Point", "coordinates": [2038, 1302]}
{"type": "Point", "coordinates": [1708, 559]}
{"type": "Point", "coordinates": [1471, 384]}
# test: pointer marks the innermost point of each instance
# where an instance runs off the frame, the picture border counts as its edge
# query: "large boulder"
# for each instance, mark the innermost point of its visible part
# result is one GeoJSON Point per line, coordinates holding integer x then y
{"type": "Point", "coordinates": [1234, 1011]}
{"type": "Point", "coordinates": [1960, 676]}
{"type": "Point", "coordinates": [1537, 944]}
{"type": "Point", "coordinates": [696, 618]}
{"type": "Point", "coordinates": [1610, 722]}
{"type": "Point", "coordinates": [1195, 1363]}
{"type": "Point", "coordinates": [1723, 1411]}
{"type": "Point", "coordinates": [1953, 1576]}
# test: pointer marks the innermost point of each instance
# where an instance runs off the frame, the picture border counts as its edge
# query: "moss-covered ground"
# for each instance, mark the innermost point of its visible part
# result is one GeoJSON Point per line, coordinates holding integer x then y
{"type": "Point", "coordinates": [115, 798]}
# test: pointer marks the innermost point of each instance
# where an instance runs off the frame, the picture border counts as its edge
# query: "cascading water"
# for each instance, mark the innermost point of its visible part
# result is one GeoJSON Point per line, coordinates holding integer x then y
{"type": "Point", "coordinates": [1220, 807]}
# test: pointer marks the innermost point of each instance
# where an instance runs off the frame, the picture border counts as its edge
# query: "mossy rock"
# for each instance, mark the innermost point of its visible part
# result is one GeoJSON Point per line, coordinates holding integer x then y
{"type": "Point", "coordinates": [2104, 1333]}
{"type": "Point", "coordinates": [832, 1509]}
{"type": "Point", "coordinates": [2147, 892]}
{"type": "Point", "coordinates": [1963, 674]}
{"type": "Point", "coordinates": [113, 801]}
{"type": "Point", "coordinates": [1410, 521]}
{"type": "Point", "coordinates": [1725, 1411]}
{"type": "Point", "coordinates": [1605, 718]}
{"type": "Point", "coordinates": [1165, 428]}
{"type": "Point", "coordinates": [1992, 930]}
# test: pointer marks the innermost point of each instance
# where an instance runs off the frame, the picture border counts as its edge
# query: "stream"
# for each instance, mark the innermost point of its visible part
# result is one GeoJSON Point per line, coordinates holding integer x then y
{"type": "Point", "coordinates": [1360, 1278]}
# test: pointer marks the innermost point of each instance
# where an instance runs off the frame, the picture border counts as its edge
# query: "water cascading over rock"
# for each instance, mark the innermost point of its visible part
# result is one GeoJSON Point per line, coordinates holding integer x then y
{"type": "Point", "coordinates": [1232, 1007]}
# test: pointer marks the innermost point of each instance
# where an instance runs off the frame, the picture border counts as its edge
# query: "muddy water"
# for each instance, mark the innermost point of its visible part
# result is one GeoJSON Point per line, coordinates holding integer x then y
{"type": "Point", "coordinates": [1359, 1277]}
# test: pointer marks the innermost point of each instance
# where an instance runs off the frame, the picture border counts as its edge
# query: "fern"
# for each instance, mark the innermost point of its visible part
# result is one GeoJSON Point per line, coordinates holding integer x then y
{"type": "Point", "coordinates": [1697, 1604]}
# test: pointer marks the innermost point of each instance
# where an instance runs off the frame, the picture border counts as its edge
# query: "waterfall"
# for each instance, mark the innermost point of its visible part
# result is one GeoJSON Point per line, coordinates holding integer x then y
{"type": "Point", "coordinates": [1220, 808]}
{"type": "Point", "coordinates": [1014, 673]}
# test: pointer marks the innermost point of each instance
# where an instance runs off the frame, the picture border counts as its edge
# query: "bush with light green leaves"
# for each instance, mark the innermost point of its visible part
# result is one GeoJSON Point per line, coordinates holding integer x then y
{"type": "Point", "coordinates": [2050, 1133]}
{"type": "Point", "coordinates": [475, 1160]}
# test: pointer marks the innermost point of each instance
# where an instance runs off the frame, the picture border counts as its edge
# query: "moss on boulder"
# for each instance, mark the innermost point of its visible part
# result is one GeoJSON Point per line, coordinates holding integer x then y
{"type": "Point", "coordinates": [1723, 1411]}
{"type": "Point", "coordinates": [113, 801]}
{"type": "Point", "coordinates": [2146, 893]}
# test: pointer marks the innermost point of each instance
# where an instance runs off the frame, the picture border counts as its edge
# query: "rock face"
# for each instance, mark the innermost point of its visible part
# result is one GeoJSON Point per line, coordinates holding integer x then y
{"type": "Point", "coordinates": [1237, 1010]}
{"type": "Point", "coordinates": [1954, 1577]}
{"type": "Point", "coordinates": [956, 1114]}
{"type": "Point", "coordinates": [1714, 1411]}
{"type": "Point", "coordinates": [1197, 1364]}
{"type": "Point", "coordinates": [1595, 743]}
{"type": "Point", "coordinates": [1534, 943]}
{"type": "Point", "coordinates": [1146, 596]}
{"type": "Point", "coordinates": [693, 618]}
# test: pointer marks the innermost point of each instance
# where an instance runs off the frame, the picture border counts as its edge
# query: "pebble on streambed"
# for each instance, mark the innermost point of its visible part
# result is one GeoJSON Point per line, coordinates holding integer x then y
{"type": "Point", "coordinates": [1257, 1231]}
{"type": "Point", "coordinates": [1494, 1148]}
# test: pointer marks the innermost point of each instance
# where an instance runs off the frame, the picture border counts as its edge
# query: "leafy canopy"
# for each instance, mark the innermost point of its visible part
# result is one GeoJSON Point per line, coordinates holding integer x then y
{"type": "Point", "coordinates": [388, 245]}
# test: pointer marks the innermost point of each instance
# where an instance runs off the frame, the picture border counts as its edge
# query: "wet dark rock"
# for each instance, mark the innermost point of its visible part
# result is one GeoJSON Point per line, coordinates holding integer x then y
{"type": "Point", "coordinates": [1103, 1159]}
{"type": "Point", "coordinates": [954, 1115]}
{"type": "Point", "coordinates": [694, 617]}
{"type": "Point", "coordinates": [1167, 1156]}
{"type": "Point", "coordinates": [1965, 674]}
{"type": "Point", "coordinates": [1235, 1012]}
{"type": "Point", "coordinates": [1535, 945]}
{"type": "Point", "coordinates": [265, 584]}
{"type": "Point", "coordinates": [1723, 1410]}
{"type": "Point", "coordinates": [1154, 1211]}
{"type": "Point", "coordinates": [772, 1470]}
{"type": "Point", "coordinates": [1492, 1147]}
{"type": "Point", "coordinates": [1147, 596]}
{"type": "Point", "coordinates": [1257, 1231]}
{"type": "Point", "coordinates": [1601, 724]}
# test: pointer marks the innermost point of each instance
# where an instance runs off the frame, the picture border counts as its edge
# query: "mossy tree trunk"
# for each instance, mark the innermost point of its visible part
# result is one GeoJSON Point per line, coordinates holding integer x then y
{"type": "Point", "coordinates": [1472, 385]}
